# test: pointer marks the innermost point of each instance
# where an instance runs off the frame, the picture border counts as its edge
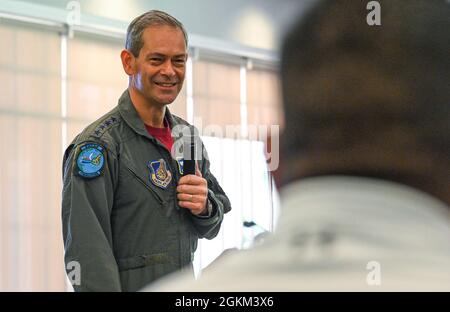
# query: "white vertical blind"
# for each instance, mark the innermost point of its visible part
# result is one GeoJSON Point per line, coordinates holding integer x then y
{"type": "Point", "coordinates": [30, 158]}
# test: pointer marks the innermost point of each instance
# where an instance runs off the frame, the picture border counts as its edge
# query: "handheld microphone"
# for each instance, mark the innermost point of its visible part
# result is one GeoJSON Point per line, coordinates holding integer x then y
{"type": "Point", "coordinates": [189, 156]}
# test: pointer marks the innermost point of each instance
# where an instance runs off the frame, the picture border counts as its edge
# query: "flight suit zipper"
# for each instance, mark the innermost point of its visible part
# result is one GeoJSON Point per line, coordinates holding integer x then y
{"type": "Point", "coordinates": [176, 178]}
{"type": "Point", "coordinates": [183, 248]}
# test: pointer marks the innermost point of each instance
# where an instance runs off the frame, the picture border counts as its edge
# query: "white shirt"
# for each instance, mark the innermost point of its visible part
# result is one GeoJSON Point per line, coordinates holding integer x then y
{"type": "Point", "coordinates": [340, 234]}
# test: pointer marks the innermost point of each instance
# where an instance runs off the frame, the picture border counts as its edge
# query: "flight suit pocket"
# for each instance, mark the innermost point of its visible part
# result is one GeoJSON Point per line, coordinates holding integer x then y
{"type": "Point", "coordinates": [143, 180]}
{"type": "Point", "coordinates": [136, 189]}
{"type": "Point", "coordinates": [137, 272]}
{"type": "Point", "coordinates": [143, 260]}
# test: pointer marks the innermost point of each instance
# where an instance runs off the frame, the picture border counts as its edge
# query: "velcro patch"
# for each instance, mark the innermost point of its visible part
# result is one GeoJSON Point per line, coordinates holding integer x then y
{"type": "Point", "coordinates": [159, 174]}
{"type": "Point", "coordinates": [90, 160]}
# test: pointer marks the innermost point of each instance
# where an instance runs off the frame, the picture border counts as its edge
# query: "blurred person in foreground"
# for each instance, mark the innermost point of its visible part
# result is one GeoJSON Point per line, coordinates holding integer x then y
{"type": "Point", "coordinates": [365, 177]}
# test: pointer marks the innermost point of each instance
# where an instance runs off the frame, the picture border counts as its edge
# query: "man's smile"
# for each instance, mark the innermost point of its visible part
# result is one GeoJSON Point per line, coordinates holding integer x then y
{"type": "Point", "coordinates": [165, 85]}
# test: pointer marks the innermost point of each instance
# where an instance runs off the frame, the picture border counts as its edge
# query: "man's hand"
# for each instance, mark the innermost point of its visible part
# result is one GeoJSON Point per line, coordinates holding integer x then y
{"type": "Point", "coordinates": [193, 192]}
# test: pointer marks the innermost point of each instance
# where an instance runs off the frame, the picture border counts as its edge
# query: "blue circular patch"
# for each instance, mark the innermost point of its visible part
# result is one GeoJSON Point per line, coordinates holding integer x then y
{"type": "Point", "coordinates": [90, 160]}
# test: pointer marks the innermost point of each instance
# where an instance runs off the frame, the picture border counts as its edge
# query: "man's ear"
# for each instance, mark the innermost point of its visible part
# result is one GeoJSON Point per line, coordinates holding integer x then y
{"type": "Point", "coordinates": [128, 62]}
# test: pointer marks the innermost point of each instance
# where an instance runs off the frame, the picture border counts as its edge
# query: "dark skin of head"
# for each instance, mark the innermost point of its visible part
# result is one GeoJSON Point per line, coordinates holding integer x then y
{"type": "Point", "coordinates": [367, 101]}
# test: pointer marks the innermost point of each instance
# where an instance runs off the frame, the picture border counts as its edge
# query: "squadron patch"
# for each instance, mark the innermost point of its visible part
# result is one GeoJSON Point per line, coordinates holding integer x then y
{"type": "Point", "coordinates": [159, 175]}
{"type": "Point", "coordinates": [180, 162]}
{"type": "Point", "coordinates": [90, 160]}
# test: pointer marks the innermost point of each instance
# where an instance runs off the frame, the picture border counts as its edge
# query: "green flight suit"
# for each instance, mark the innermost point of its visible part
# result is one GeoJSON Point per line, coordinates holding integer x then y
{"type": "Point", "coordinates": [124, 230]}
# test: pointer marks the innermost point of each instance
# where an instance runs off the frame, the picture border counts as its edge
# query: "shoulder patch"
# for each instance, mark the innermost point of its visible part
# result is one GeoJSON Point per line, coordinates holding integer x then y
{"type": "Point", "coordinates": [90, 160]}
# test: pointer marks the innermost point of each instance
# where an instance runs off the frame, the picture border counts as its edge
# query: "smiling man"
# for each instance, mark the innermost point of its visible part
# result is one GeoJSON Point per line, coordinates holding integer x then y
{"type": "Point", "coordinates": [130, 215]}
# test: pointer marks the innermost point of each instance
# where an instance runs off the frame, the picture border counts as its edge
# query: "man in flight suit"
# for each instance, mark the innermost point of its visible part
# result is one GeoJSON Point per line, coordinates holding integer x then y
{"type": "Point", "coordinates": [129, 215]}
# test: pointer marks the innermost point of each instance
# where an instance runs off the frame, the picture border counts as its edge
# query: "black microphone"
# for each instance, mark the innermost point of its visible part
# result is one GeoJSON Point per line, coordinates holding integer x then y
{"type": "Point", "coordinates": [189, 155]}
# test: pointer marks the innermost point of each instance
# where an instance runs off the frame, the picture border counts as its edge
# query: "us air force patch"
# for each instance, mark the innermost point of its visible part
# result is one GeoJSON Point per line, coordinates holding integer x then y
{"type": "Point", "coordinates": [180, 162]}
{"type": "Point", "coordinates": [159, 175]}
{"type": "Point", "coordinates": [90, 160]}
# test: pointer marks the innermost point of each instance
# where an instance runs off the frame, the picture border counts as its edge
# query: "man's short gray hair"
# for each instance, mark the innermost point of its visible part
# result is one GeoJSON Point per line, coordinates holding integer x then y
{"type": "Point", "coordinates": [134, 41]}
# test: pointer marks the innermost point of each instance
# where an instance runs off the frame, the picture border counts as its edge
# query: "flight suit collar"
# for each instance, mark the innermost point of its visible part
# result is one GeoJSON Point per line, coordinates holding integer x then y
{"type": "Point", "coordinates": [131, 116]}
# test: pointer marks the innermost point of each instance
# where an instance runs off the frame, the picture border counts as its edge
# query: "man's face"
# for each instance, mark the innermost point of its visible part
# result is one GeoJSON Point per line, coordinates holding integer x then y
{"type": "Point", "coordinates": [161, 64]}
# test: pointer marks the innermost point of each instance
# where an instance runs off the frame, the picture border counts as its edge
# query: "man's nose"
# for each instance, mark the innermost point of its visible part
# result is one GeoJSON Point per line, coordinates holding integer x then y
{"type": "Point", "coordinates": [167, 69]}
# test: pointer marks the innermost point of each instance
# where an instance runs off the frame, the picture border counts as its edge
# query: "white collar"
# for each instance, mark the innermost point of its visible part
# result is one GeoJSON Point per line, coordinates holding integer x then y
{"type": "Point", "coordinates": [355, 206]}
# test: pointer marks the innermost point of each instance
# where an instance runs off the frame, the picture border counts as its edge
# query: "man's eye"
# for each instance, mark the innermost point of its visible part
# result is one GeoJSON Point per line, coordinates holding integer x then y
{"type": "Point", "coordinates": [179, 62]}
{"type": "Point", "coordinates": [155, 59]}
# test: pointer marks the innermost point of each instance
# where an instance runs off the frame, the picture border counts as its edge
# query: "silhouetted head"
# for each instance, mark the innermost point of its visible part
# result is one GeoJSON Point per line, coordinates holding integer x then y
{"type": "Point", "coordinates": [369, 100]}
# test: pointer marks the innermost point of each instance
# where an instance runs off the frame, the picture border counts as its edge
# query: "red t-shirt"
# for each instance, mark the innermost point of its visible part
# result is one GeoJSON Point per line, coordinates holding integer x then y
{"type": "Point", "coordinates": [163, 135]}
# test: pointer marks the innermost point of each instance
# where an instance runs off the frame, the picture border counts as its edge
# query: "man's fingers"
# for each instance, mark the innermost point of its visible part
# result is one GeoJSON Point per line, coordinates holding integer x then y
{"type": "Point", "coordinates": [192, 189]}
{"type": "Point", "coordinates": [192, 180]}
{"type": "Point", "coordinates": [195, 208]}
{"type": "Point", "coordinates": [190, 197]}
{"type": "Point", "coordinates": [197, 171]}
